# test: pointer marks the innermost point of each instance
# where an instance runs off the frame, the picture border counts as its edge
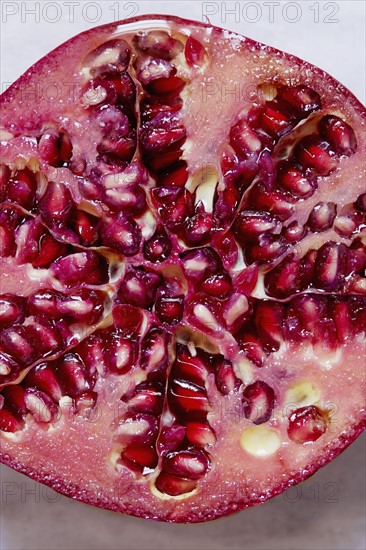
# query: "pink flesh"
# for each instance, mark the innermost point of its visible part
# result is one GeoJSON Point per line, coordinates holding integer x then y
{"type": "Point", "coordinates": [78, 456]}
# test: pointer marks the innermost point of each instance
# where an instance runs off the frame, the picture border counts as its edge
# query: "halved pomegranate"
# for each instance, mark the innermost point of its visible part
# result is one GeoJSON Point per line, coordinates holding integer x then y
{"type": "Point", "coordinates": [182, 275]}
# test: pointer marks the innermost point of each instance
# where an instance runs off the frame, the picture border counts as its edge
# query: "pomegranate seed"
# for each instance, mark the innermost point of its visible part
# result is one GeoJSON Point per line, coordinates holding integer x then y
{"type": "Point", "coordinates": [171, 438]}
{"type": "Point", "coordinates": [342, 320]}
{"type": "Point", "coordinates": [118, 148]}
{"type": "Point", "coordinates": [226, 380]}
{"type": "Point", "coordinates": [192, 463]}
{"type": "Point", "coordinates": [258, 402]}
{"type": "Point", "coordinates": [177, 176]}
{"type": "Point", "coordinates": [99, 92]}
{"type": "Point", "coordinates": [139, 287]}
{"type": "Point", "coordinates": [339, 134]}
{"type": "Point", "coordinates": [82, 306]}
{"type": "Point", "coordinates": [10, 421]}
{"type": "Point", "coordinates": [294, 232]}
{"type": "Point", "coordinates": [274, 202]}
{"type": "Point", "coordinates": [200, 263]}
{"type": "Point", "coordinates": [147, 398]}
{"type": "Point", "coordinates": [92, 352]}
{"type": "Point", "coordinates": [91, 190]}
{"type": "Point", "coordinates": [14, 397]}
{"type": "Point", "coordinates": [277, 119]}
{"type": "Point", "coordinates": [306, 424]}
{"type": "Point", "coordinates": [5, 174]}
{"type": "Point", "coordinates": [205, 315]}
{"type": "Point", "coordinates": [55, 147]}
{"type": "Point", "coordinates": [307, 268]}
{"type": "Point", "coordinates": [44, 335]}
{"type": "Point", "coordinates": [158, 43]}
{"type": "Point", "coordinates": [84, 403]}
{"type": "Point", "coordinates": [56, 205]}
{"type": "Point", "coordinates": [173, 485]}
{"type": "Point", "coordinates": [137, 429]}
{"type": "Point", "coordinates": [154, 350]}
{"type": "Point", "coordinates": [303, 321]}
{"type": "Point", "coordinates": [252, 347]}
{"type": "Point", "coordinates": [73, 375]}
{"type": "Point", "coordinates": [116, 51]}
{"type": "Point", "coordinates": [166, 87]}
{"type": "Point", "coordinates": [175, 215]}
{"type": "Point", "coordinates": [311, 152]}
{"type": "Point", "coordinates": [330, 266]}
{"type": "Point", "coordinates": [11, 310]}
{"type": "Point", "coordinates": [7, 241]}
{"type": "Point", "coordinates": [16, 342]}
{"type": "Point", "coordinates": [169, 309]}
{"type": "Point", "coordinates": [158, 248]}
{"type": "Point", "coordinates": [77, 166]}
{"type": "Point", "coordinates": [159, 140]}
{"type": "Point", "coordinates": [200, 434]}
{"type": "Point", "coordinates": [194, 53]}
{"type": "Point", "coordinates": [9, 369]}
{"type": "Point", "coordinates": [197, 230]}
{"type": "Point", "coordinates": [143, 456]}
{"type": "Point", "coordinates": [48, 251]}
{"type": "Point", "coordinates": [192, 368]}
{"type": "Point", "coordinates": [302, 98]}
{"type": "Point", "coordinates": [45, 302]}
{"type": "Point", "coordinates": [361, 202]}
{"type": "Point", "coordinates": [292, 179]}
{"type": "Point", "coordinates": [122, 234]}
{"type": "Point", "coordinates": [244, 140]}
{"type": "Point", "coordinates": [44, 377]}
{"type": "Point", "coordinates": [153, 107]}
{"type": "Point", "coordinates": [122, 353]}
{"type": "Point", "coordinates": [188, 398]}
{"type": "Point", "coordinates": [226, 205]}
{"type": "Point", "coordinates": [113, 122]}
{"type": "Point", "coordinates": [126, 90]}
{"type": "Point", "coordinates": [22, 187]}
{"type": "Point", "coordinates": [161, 162]}
{"type": "Point", "coordinates": [269, 322]}
{"type": "Point", "coordinates": [357, 286]}
{"type": "Point", "coordinates": [322, 216]}
{"type": "Point", "coordinates": [251, 225]}
{"type": "Point", "coordinates": [236, 311]}
{"type": "Point", "coordinates": [75, 268]}
{"type": "Point", "coordinates": [129, 199]}
{"type": "Point", "coordinates": [284, 279]}
{"type": "Point", "coordinates": [40, 405]}
{"type": "Point", "coordinates": [128, 319]}
{"type": "Point", "coordinates": [85, 227]}
{"type": "Point", "coordinates": [163, 115]}
{"type": "Point", "coordinates": [246, 281]}
{"type": "Point", "coordinates": [344, 226]}
{"type": "Point", "coordinates": [218, 285]}
{"type": "Point", "coordinates": [28, 235]}
{"type": "Point", "coordinates": [269, 248]}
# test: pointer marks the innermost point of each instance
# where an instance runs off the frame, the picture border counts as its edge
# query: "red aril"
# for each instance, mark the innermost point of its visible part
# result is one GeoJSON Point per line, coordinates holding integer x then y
{"type": "Point", "coordinates": [182, 274]}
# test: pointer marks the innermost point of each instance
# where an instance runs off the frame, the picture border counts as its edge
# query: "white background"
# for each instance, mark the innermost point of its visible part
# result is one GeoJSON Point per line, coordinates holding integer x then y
{"type": "Point", "coordinates": [327, 511]}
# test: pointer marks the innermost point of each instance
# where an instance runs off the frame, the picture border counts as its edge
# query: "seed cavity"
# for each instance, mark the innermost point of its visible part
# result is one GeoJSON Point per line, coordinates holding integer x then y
{"type": "Point", "coordinates": [260, 441]}
{"type": "Point", "coordinates": [302, 394]}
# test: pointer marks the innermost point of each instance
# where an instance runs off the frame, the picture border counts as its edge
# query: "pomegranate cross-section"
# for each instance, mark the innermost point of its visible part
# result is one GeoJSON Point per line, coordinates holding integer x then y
{"type": "Point", "coordinates": [182, 274]}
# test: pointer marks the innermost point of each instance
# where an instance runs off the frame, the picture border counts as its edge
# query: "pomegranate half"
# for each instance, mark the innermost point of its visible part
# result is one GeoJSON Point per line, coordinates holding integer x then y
{"type": "Point", "coordinates": [182, 270]}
